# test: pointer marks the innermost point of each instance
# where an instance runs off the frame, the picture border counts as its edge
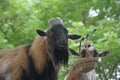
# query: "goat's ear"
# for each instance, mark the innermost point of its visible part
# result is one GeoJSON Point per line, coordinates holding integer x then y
{"type": "Point", "coordinates": [74, 52]}
{"type": "Point", "coordinates": [73, 36]}
{"type": "Point", "coordinates": [41, 33]}
{"type": "Point", "coordinates": [103, 54]}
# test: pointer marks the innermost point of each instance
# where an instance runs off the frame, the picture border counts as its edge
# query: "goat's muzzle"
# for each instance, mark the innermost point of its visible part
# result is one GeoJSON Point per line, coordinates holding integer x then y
{"type": "Point", "coordinates": [62, 44]}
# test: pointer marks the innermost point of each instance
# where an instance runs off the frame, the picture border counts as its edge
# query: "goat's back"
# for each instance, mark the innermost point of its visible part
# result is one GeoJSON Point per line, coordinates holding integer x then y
{"type": "Point", "coordinates": [10, 61]}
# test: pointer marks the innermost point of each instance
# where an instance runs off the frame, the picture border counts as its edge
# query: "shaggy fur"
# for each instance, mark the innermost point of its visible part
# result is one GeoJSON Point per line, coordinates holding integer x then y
{"type": "Point", "coordinates": [40, 60]}
{"type": "Point", "coordinates": [28, 62]}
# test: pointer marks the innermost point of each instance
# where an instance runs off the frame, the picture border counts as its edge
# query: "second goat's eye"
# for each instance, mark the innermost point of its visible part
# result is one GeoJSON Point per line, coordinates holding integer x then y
{"type": "Point", "coordinates": [88, 45]}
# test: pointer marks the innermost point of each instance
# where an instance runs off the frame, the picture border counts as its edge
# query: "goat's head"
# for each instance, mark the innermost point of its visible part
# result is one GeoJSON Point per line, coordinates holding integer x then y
{"type": "Point", "coordinates": [57, 36]}
{"type": "Point", "coordinates": [92, 51]}
{"type": "Point", "coordinates": [88, 47]}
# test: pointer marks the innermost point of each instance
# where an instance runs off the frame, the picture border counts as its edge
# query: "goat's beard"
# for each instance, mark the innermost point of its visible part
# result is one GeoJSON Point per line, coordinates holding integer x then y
{"type": "Point", "coordinates": [59, 57]}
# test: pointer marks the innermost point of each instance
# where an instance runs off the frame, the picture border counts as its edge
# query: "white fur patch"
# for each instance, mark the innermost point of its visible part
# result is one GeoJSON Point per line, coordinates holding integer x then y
{"type": "Point", "coordinates": [8, 76]}
{"type": "Point", "coordinates": [4, 66]}
{"type": "Point", "coordinates": [91, 48]}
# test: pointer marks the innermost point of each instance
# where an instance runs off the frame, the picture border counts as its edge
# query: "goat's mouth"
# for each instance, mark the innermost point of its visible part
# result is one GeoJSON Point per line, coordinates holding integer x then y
{"type": "Point", "coordinates": [62, 46]}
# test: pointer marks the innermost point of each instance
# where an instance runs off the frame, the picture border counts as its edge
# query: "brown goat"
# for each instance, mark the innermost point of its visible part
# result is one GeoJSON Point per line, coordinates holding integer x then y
{"type": "Point", "coordinates": [79, 75]}
{"type": "Point", "coordinates": [40, 60]}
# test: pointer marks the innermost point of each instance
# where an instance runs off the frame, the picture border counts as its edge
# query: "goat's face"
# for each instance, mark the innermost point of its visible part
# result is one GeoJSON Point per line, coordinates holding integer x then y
{"type": "Point", "coordinates": [57, 36]}
{"type": "Point", "coordinates": [89, 48]}
{"type": "Point", "coordinates": [92, 51]}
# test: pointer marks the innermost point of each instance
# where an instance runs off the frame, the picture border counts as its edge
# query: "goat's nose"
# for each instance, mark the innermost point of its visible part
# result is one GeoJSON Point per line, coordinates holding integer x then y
{"type": "Point", "coordinates": [63, 42]}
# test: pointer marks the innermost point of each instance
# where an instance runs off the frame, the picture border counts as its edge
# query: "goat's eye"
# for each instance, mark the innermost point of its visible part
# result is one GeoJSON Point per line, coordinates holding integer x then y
{"type": "Point", "coordinates": [88, 45]}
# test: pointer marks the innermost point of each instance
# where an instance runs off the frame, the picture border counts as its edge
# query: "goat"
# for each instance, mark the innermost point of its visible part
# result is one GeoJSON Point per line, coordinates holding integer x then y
{"type": "Point", "coordinates": [40, 60]}
{"type": "Point", "coordinates": [91, 75]}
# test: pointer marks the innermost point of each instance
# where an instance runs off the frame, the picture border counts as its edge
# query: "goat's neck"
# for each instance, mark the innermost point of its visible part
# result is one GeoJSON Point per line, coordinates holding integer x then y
{"type": "Point", "coordinates": [39, 51]}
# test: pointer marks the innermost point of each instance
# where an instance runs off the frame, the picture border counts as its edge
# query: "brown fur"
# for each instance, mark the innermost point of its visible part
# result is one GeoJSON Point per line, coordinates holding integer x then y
{"type": "Point", "coordinates": [18, 57]}
{"type": "Point", "coordinates": [39, 52]}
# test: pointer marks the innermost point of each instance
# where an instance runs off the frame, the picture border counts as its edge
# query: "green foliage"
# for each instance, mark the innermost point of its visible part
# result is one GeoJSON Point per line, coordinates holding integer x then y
{"type": "Point", "coordinates": [20, 18]}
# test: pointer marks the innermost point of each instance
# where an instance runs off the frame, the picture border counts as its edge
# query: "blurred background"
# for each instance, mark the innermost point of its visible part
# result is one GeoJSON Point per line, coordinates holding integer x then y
{"type": "Point", "coordinates": [19, 20]}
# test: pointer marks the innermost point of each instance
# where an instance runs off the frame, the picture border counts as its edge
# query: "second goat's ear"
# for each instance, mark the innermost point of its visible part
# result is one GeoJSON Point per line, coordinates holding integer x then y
{"type": "Point", "coordinates": [74, 52]}
{"type": "Point", "coordinates": [104, 53]}
{"type": "Point", "coordinates": [41, 33]}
